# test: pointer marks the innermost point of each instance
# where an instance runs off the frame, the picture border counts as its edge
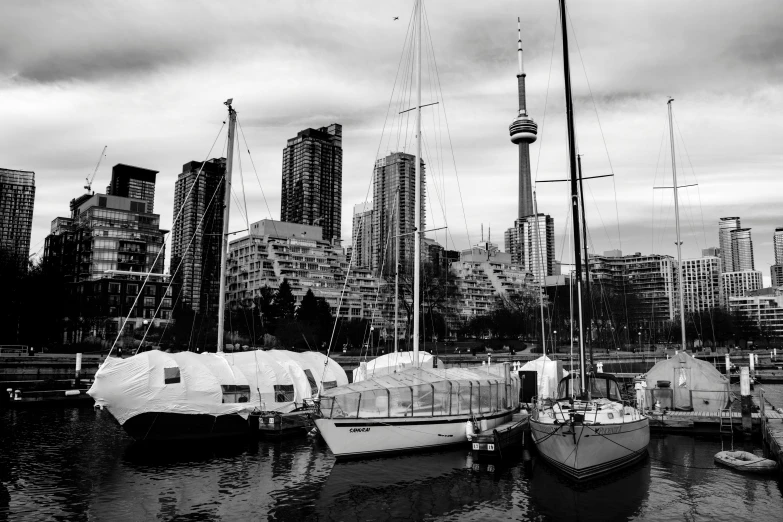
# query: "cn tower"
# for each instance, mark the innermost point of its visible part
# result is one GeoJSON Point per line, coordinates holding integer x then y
{"type": "Point", "coordinates": [523, 131]}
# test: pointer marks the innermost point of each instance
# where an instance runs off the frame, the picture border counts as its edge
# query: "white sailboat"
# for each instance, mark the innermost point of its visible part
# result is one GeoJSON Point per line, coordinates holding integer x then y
{"type": "Point", "coordinates": [587, 430]}
{"type": "Point", "coordinates": [175, 396]}
{"type": "Point", "coordinates": [415, 408]}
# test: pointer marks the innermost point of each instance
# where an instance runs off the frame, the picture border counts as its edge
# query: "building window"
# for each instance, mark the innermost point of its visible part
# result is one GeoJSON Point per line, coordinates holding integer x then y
{"type": "Point", "coordinates": [149, 301]}
{"type": "Point", "coordinates": [151, 290]}
{"type": "Point", "coordinates": [132, 289]}
{"type": "Point", "coordinates": [166, 302]}
{"type": "Point", "coordinates": [114, 288]}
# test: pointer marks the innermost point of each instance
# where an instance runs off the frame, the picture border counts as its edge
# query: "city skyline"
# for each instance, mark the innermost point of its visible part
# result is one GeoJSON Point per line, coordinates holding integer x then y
{"type": "Point", "coordinates": [118, 89]}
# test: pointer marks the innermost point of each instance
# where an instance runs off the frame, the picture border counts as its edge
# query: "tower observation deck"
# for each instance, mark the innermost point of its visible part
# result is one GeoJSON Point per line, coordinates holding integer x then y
{"type": "Point", "coordinates": [523, 131]}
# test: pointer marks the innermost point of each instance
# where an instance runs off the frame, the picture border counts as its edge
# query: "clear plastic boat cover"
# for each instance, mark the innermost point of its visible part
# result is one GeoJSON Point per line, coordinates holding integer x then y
{"type": "Point", "coordinates": [211, 383]}
{"type": "Point", "coordinates": [424, 392]}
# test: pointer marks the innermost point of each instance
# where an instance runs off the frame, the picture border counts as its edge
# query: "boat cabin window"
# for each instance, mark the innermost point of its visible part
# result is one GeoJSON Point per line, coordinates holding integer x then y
{"type": "Point", "coordinates": [171, 375]}
{"type": "Point", "coordinates": [600, 388]}
{"type": "Point", "coordinates": [313, 384]}
{"type": "Point", "coordinates": [328, 385]}
{"type": "Point", "coordinates": [235, 393]}
{"type": "Point", "coordinates": [284, 392]}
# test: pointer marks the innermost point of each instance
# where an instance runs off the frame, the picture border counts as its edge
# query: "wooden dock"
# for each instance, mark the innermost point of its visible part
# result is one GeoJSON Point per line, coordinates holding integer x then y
{"type": "Point", "coordinates": [707, 422]}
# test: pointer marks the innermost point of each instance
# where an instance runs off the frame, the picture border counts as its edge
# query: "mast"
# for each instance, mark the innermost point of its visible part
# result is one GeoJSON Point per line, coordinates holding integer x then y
{"type": "Point", "coordinates": [574, 192]}
{"type": "Point", "coordinates": [587, 261]}
{"type": "Point", "coordinates": [232, 122]}
{"type": "Point", "coordinates": [677, 220]}
{"type": "Point", "coordinates": [397, 270]}
{"type": "Point", "coordinates": [417, 191]}
{"type": "Point", "coordinates": [541, 276]}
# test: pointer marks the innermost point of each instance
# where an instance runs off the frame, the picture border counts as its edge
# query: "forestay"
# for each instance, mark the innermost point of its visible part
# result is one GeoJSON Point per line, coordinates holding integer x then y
{"type": "Point", "coordinates": [425, 393]}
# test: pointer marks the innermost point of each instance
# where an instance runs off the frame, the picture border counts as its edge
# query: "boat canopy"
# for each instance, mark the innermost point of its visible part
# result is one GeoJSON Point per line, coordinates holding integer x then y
{"type": "Point", "coordinates": [601, 386]}
{"type": "Point", "coordinates": [390, 363]}
{"type": "Point", "coordinates": [424, 392]}
{"type": "Point", "coordinates": [212, 383]}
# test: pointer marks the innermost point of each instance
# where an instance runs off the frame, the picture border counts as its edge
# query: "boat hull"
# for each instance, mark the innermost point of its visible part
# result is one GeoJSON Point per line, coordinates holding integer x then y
{"type": "Point", "coordinates": [358, 438]}
{"type": "Point", "coordinates": [584, 451]}
{"type": "Point", "coordinates": [165, 426]}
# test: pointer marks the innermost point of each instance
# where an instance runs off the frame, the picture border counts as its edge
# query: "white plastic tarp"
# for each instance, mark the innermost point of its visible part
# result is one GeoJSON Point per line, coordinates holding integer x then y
{"type": "Point", "coordinates": [390, 363]}
{"type": "Point", "coordinates": [548, 379]}
{"type": "Point", "coordinates": [192, 383]}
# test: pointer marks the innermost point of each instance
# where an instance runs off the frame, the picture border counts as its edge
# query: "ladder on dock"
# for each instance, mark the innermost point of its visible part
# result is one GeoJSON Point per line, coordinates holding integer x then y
{"type": "Point", "coordinates": [726, 421]}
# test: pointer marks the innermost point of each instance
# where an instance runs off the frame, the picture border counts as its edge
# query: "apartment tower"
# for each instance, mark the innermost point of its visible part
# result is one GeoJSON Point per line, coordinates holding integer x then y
{"type": "Point", "coordinates": [313, 179]}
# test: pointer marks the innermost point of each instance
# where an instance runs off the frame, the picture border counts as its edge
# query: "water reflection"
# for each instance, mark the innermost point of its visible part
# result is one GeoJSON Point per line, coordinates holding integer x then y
{"type": "Point", "coordinates": [620, 496]}
{"type": "Point", "coordinates": [406, 487]}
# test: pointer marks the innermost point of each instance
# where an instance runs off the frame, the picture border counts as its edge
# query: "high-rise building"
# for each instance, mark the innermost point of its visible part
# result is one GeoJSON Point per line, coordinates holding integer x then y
{"type": "Point", "coordinates": [710, 251]}
{"type": "Point", "coordinates": [534, 254]}
{"type": "Point", "coordinates": [361, 235]}
{"type": "Point", "coordinates": [776, 273]}
{"type": "Point", "coordinates": [128, 181]}
{"type": "Point", "coordinates": [523, 131]}
{"type": "Point", "coordinates": [196, 231]}
{"type": "Point", "coordinates": [777, 245]}
{"type": "Point", "coordinates": [17, 197]}
{"type": "Point", "coordinates": [313, 179]}
{"type": "Point", "coordinates": [701, 283]}
{"type": "Point", "coordinates": [395, 171]}
{"type": "Point", "coordinates": [725, 226]}
{"type": "Point", "coordinates": [741, 250]}
{"type": "Point", "coordinates": [737, 284]}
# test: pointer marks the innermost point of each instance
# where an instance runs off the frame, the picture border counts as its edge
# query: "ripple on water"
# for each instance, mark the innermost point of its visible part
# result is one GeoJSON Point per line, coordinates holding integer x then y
{"type": "Point", "coordinates": [77, 464]}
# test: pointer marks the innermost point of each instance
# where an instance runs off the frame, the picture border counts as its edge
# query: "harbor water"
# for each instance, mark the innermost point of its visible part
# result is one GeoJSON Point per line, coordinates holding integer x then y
{"type": "Point", "coordinates": [78, 464]}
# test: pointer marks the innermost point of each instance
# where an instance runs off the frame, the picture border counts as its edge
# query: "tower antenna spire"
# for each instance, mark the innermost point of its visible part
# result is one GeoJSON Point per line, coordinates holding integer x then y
{"type": "Point", "coordinates": [519, 51]}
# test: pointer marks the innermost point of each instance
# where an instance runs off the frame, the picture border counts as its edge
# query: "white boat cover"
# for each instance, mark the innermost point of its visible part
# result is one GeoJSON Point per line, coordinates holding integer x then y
{"type": "Point", "coordinates": [390, 363]}
{"type": "Point", "coordinates": [694, 383]}
{"type": "Point", "coordinates": [548, 379]}
{"type": "Point", "coordinates": [211, 383]}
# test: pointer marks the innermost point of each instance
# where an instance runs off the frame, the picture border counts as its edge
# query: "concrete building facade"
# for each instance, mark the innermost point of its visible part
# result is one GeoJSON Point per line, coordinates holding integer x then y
{"type": "Point", "coordinates": [275, 250]}
{"type": "Point", "coordinates": [737, 284]}
{"type": "Point", "coordinates": [701, 283]}
{"type": "Point", "coordinates": [313, 180]}
{"type": "Point", "coordinates": [128, 181]}
{"type": "Point", "coordinates": [725, 226]}
{"type": "Point", "coordinates": [764, 308]}
{"type": "Point", "coordinates": [17, 199]}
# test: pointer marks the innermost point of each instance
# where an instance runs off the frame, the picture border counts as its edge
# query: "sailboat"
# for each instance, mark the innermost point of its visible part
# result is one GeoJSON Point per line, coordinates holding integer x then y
{"type": "Point", "coordinates": [415, 408]}
{"type": "Point", "coordinates": [158, 396]}
{"type": "Point", "coordinates": [587, 430]}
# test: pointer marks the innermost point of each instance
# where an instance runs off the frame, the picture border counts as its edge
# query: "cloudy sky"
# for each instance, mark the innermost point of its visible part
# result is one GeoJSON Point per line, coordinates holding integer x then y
{"type": "Point", "coordinates": [148, 79]}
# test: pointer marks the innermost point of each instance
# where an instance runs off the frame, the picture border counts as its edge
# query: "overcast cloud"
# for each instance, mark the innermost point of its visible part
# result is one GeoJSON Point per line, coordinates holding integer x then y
{"type": "Point", "coordinates": [148, 79]}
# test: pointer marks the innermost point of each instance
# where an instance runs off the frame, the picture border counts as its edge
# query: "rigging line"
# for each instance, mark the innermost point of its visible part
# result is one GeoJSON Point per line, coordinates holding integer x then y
{"type": "Point", "coordinates": [403, 83]}
{"type": "Point", "coordinates": [263, 194]}
{"type": "Point", "coordinates": [698, 191]}
{"type": "Point", "coordinates": [600, 128]}
{"type": "Point", "coordinates": [546, 97]}
{"type": "Point", "coordinates": [161, 250]}
{"type": "Point", "coordinates": [181, 261]}
{"type": "Point", "coordinates": [252, 325]}
{"type": "Point", "coordinates": [448, 128]}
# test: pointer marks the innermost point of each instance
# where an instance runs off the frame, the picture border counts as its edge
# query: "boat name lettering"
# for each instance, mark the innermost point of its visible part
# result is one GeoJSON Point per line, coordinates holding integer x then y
{"type": "Point", "coordinates": [607, 431]}
{"type": "Point", "coordinates": [358, 430]}
{"type": "Point", "coordinates": [442, 435]}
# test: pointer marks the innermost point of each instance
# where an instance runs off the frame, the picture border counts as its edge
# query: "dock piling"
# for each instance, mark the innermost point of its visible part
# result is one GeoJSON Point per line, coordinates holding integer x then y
{"type": "Point", "coordinates": [746, 400]}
